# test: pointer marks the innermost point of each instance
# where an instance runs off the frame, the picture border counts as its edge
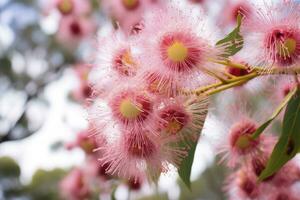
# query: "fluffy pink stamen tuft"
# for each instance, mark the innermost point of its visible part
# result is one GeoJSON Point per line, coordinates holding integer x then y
{"type": "Point", "coordinates": [240, 137]}
{"type": "Point", "coordinates": [131, 107]}
{"type": "Point", "coordinates": [248, 186]}
{"type": "Point", "coordinates": [124, 63]}
{"type": "Point", "coordinates": [158, 84]}
{"type": "Point", "coordinates": [180, 52]}
{"type": "Point", "coordinates": [241, 8]}
{"type": "Point", "coordinates": [283, 45]}
{"type": "Point", "coordinates": [139, 145]}
{"type": "Point", "coordinates": [174, 119]}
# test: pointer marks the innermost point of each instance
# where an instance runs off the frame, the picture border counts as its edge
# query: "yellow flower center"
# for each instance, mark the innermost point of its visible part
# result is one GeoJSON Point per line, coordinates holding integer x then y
{"type": "Point", "coordinates": [87, 146]}
{"type": "Point", "coordinates": [243, 142]}
{"type": "Point", "coordinates": [173, 127]}
{"type": "Point", "coordinates": [129, 110]}
{"type": "Point", "coordinates": [287, 48]}
{"type": "Point", "coordinates": [125, 63]}
{"type": "Point", "coordinates": [130, 4]}
{"type": "Point", "coordinates": [65, 6]}
{"type": "Point", "coordinates": [177, 52]}
{"type": "Point", "coordinates": [127, 59]}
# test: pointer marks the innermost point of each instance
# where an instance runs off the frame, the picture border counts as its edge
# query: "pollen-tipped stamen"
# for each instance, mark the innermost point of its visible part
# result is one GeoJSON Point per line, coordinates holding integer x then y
{"type": "Point", "coordinates": [287, 48]}
{"type": "Point", "coordinates": [65, 6]}
{"type": "Point", "coordinates": [177, 52]}
{"type": "Point", "coordinates": [125, 64]}
{"type": "Point", "coordinates": [129, 110]}
{"type": "Point", "coordinates": [130, 4]}
{"type": "Point", "coordinates": [173, 127]}
{"type": "Point", "coordinates": [243, 142]}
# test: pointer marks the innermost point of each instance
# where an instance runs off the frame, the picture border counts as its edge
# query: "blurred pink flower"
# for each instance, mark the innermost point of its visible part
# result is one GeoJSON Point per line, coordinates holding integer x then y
{"type": "Point", "coordinates": [231, 9]}
{"type": "Point", "coordinates": [115, 62]}
{"type": "Point", "coordinates": [241, 147]}
{"type": "Point", "coordinates": [137, 153]}
{"type": "Point", "coordinates": [74, 29]}
{"type": "Point", "coordinates": [272, 35]}
{"type": "Point", "coordinates": [74, 186]}
{"type": "Point", "coordinates": [129, 13]}
{"type": "Point", "coordinates": [69, 7]}
{"type": "Point", "coordinates": [182, 117]}
{"type": "Point", "coordinates": [84, 91]}
{"type": "Point", "coordinates": [242, 185]}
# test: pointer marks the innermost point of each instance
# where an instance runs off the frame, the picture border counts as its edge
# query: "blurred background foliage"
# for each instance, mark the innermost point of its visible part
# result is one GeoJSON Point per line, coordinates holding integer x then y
{"type": "Point", "coordinates": [44, 184]}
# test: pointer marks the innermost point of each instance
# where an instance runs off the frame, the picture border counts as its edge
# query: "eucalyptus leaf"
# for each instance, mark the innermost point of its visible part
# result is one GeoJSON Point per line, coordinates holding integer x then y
{"type": "Point", "coordinates": [185, 167]}
{"type": "Point", "coordinates": [275, 114]}
{"type": "Point", "coordinates": [288, 144]}
{"type": "Point", "coordinates": [234, 41]}
{"type": "Point", "coordinates": [113, 194]}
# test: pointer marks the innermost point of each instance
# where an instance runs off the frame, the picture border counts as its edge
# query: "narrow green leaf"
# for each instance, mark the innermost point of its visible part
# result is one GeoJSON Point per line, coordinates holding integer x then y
{"type": "Point", "coordinates": [275, 114]}
{"type": "Point", "coordinates": [185, 167]}
{"type": "Point", "coordinates": [233, 42]}
{"type": "Point", "coordinates": [288, 144]}
{"type": "Point", "coordinates": [113, 193]}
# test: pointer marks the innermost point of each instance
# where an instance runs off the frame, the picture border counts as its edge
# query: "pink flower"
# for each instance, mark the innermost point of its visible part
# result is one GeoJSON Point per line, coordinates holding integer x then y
{"type": "Point", "coordinates": [115, 62]}
{"type": "Point", "coordinates": [282, 193]}
{"type": "Point", "coordinates": [287, 176]}
{"type": "Point", "coordinates": [231, 9]}
{"type": "Point", "coordinates": [70, 7]}
{"type": "Point", "coordinates": [182, 117]}
{"type": "Point", "coordinates": [86, 142]}
{"type": "Point", "coordinates": [84, 91]}
{"type": "Point", "coordinates": [127, 106]}
{"type": "Point", "coordinates": [243, 185]}
{"type": "Point", "coordinates": [138, 153]}
{"type": "Point", "coordinates": [129, 13]}
{"type": "Point", "coordinates": [272, 35]}
{"type": "Point", "coordinates": [134, 123]}
{"type": "Point", "coordinates": [95, 171]}
{"type": "Point", "coordinates": [73, 29]}
{"type": "Point", "coordinates": [282, 87]}
{"type": "Point", "coordinates": [74, 186]}
{"type": "Point", "coordinates": [89, 140]}
{"type": "Point", "coordinates": [174, 49]}
{"type": "Point", "coordinates": [241, 147]}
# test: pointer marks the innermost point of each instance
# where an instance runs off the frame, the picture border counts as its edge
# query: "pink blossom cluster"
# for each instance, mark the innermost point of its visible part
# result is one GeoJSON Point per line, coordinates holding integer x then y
{"type": "Point", "coordinates": [75, 23]}
{"type": "Point", "coordinates": [247, 157]}
{"type": "Point", "coordinates": [139, 109]}
{"type": "Point", "coordinates": [145, 110]}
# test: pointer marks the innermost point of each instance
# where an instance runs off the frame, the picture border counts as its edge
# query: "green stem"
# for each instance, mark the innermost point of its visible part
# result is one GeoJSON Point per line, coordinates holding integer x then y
{"type": "Point", "coordinates": [237, 81]}
{"type": "Point", "coordinates": [225, 87]}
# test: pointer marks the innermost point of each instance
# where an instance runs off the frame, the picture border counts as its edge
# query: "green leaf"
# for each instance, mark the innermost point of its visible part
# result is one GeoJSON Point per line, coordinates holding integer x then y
{"type": "Point", "coordinates": [113, 194]}
{"type": "Point", "coordinates": [275, 114]}
{"type": "Point", "coordinates": [207, 186]}
{"type": "Point", "coordinates": [233, 42]}
{"type": "Point", "coordinates": [9, 168]}
{"type": "Point", "coordinates": [185, 167]}
{"type": "Point", "coordinates": [288, 144]}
